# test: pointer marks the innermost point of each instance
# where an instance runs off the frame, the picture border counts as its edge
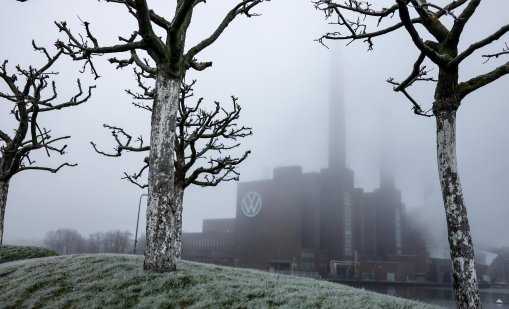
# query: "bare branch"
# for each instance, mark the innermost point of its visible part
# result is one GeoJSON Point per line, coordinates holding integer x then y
{"type": "Point", "coordinates": [156, 47]}
{"type": "Point", "coordinates": [475, 83]}
{"type": "Point", "coordinates": [418, 42]}
{"type": "Point", "coordinates": [28, 102]}
{"type": "Point", "coordinates": [477, 45]}
{"type": "Point", "coordinates": [362, 7]}
{"type": "Point", "coordinates": [10, 81]}
{"type": "Point", "coordinates": [80, 50]}
{"type": "Point", "coordinates": [460, 22]}
{"type": "Point", "coordinates": [134, 178]}
{"type": "Point", "coordinates": [505, 51]}
{"type": "Point", "coordinates": [42, 50]}
{"type": "Point", "coordinates": [47, 169]}
{"type": "Point", "coordinates": [429, 20]}
{"type": "Point", "coordinates": [5, 137]}
{"type": "Point", "coordinates": [74, 101]}
{"type": "Point", "coordinates": [142, 65]}
{"type": "Point", "coordinates": [119, 135]}
{"type": "Point", "coordinates": [416, 72]}
{"type": "Point", "coordinates": [357, 28]}
{"type": "Point", "coordinates": [156, 19]}
{"type": "Point", "coordinates": [416, 75]}
{"type": "Point", "coordinates": [183, 10]}
{"type": "Point", "coordinates": [220, 170]}
{"type": "Point", "coordinates": [243, 7]}
{"type": "Point", "coordinates": [198, 66]}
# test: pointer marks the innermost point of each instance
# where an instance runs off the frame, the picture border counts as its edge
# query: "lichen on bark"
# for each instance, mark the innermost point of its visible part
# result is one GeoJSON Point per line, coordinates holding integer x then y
{"type": "Point", "coordinates": [164, 212]}
{"type": "Point", "coordinates": [460, 240]}
{"type": "Point", "coordinates": [4, 190]}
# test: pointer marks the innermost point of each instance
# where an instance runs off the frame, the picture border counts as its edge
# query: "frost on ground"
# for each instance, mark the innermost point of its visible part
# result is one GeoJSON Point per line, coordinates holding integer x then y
{"type": "Point", "coordinates": [14, 253]}
{"type": "Point", "coordinates": [118, 281]}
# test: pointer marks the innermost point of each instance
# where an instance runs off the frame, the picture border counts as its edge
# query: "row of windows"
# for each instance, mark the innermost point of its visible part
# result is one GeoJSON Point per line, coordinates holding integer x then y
{"type": "Point", "coordinates": [348, 231]}
{"type": "Point", "coordinates": [398, 231]}
{"type": "Point", "coordinates": [198, 255]}
{"type": "Point", "coordinates": [307, 255]}
{"type": "Point", "coordinates": [208, 243]}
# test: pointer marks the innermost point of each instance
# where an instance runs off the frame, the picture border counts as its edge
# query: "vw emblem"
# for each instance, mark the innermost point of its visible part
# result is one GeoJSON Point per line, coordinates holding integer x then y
{"type": "Point", "coordinates": [251, 204]}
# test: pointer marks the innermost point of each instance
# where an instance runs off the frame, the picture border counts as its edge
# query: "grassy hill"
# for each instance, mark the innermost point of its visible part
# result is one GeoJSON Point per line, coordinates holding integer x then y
{"type": "Point", "coordinates": [117, 281]}
{"type": "Point", "coordinates": [14, 253]}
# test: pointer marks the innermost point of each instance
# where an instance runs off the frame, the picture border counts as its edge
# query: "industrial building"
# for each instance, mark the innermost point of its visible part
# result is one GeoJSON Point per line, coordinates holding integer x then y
{"type": "Point", "coordinates": [316, 224]}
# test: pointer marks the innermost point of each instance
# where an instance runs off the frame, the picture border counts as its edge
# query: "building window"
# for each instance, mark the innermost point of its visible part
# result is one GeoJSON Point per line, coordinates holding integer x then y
{"type": "Point", "coordinates": [369, 275]}
{"type": "Point", "coordinates": [391, 276]}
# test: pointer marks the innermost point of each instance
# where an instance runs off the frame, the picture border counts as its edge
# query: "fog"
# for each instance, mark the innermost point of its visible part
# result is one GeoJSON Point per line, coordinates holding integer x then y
{"type": "Point", "coordinates": [282, 78]}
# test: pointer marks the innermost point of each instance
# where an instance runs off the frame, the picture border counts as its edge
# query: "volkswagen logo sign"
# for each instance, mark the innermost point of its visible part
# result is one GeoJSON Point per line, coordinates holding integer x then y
{"type": "Point", "coordinates": [251, 204]}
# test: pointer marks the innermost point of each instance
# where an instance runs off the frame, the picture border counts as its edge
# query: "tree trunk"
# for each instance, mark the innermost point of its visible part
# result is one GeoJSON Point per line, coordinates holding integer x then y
{"type": "Point", "coordinates": [460, 240]}
{"type": "Point", "coordinates": [179, 199]}
{"type": "Point", "coordinates": [4, 190]}
{"type": "Point", "coordinates": [164, 210]}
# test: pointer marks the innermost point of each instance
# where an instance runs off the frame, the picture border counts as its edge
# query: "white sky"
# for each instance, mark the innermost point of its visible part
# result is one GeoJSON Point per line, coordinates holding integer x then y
{"type": "Point", "coordinates": [281, 77]}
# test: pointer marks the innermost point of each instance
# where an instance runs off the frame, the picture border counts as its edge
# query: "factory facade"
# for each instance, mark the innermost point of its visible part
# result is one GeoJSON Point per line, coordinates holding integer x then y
{"type": "Point", "coordinates": [314, 224]}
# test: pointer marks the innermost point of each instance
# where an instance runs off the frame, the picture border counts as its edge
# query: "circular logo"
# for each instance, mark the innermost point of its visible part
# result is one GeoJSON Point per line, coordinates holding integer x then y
{"type": "Point", "coordinates": [251, 204]}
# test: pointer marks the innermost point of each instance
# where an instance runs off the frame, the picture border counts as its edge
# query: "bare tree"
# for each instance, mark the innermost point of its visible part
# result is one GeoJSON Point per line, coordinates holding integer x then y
{"type": "Point", "coordinates": [117, 241]}
{"type": "Point", "coordinates": [70, 241]}
{"type": "Point", "coordinates": [94, 243]}
{"type": "Point", "coordinates": [65, 241]}
{"type": "Point", "coordinates": [164, 212]}
{"type": "Point", "coordinates": [114, 241]}
{"type": "Point", "coordinates": [203, 136]}
{"type": "Point", "coordinates": [357, 18]}
{"type": "Point", "coordinates": [27, 92]}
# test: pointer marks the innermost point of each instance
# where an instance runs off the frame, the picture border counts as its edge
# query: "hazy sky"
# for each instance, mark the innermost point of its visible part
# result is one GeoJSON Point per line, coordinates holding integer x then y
{"type": "Point", "coordinates": [281, 76]}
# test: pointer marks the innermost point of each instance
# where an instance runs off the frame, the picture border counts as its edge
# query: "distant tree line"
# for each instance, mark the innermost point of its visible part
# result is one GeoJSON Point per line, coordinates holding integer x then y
{"type": "Point", "coordinates": [70, 241]}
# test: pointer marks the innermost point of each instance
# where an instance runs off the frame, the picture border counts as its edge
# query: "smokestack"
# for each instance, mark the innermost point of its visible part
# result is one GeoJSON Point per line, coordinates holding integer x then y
{"type": "Point", "coordinates": [337, 136]}
{"type": "Point", "coordinates": [386, 144]}
{"type": "Point", "coordinates": [386, 175]}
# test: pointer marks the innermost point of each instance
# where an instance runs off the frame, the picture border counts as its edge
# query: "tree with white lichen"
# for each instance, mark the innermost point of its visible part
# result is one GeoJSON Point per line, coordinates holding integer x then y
{"type": "Point", "coordinates": [203, 145]}
{"type": "Point", "coordinates": [442, 51]}
{"type": "Point", "coordinates": [25, 90]}
{"type": "Point", "coordinates": [172, 60]}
